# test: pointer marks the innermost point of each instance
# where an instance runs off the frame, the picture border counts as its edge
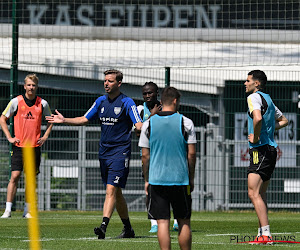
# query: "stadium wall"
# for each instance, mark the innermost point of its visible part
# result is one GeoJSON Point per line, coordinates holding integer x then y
{"type": "Point", "coordinates": [152, 34]}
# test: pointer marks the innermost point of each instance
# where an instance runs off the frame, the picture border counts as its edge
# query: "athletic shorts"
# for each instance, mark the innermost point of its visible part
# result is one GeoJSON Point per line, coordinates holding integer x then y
{"type": "Point", "coordinates": [114, 172]}
{"type": "Point", "coordinates": [17, 159]}
{"type": "Point", "coordinates": [161, 197]}
{"type": "Point", "coordinates": [262, 161]}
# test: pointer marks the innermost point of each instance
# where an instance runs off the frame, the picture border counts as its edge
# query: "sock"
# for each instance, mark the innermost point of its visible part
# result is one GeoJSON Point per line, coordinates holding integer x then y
{"type": "Point", "coordinates": [26, 208]}
{"type": "Point", "coordinates": [266, 230]}
{"type": "Point", "coordinates": [259, 232]}
{"type": "Point", "coordinates": [153, 223]}
{"type": "Point", "coordinates": [126, 223]}
{"type": "Point", "coordinates": [175, 222]}
{"type": "Point", "coordinates": [8, 206]}
{"type": "Point", "coordinates": [104, 223]}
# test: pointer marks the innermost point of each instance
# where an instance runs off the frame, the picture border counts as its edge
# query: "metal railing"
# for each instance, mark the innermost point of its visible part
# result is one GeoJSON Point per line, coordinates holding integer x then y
{"type": "Point", "coordinates": [73, 181]}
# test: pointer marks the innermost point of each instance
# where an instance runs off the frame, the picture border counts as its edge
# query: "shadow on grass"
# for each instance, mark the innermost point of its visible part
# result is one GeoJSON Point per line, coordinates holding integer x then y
{"type": "Point", "coordinates": [145, 237]}
{"type": "Point", "coordinates": [136, 237]}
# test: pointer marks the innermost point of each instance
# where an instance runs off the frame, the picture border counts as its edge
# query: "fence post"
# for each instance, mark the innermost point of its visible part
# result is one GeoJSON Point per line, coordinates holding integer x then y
{"type": "Point", "coordinates": [14, 65]}
{"type": "Point", "coordinates": [197, 193]}
{"type": "Point", "coordinates": [15, 46]}
{"type": "Point", "coordinates": [81, 163]}
{"type": "Point", "coordinates": [82, 167]}
{"type": "Point", "coordinates": [41, 185]}
{"type": "Point", "coordinates": [167, 76]}
{"type": "Point", "coordinates": [214, 170]}
{"type": "Point", "coordinates": [227, 176]}
{"type": "Point", "coordinates": [48, 187]}
{"type": "Point", "coordinates": [202, 167]}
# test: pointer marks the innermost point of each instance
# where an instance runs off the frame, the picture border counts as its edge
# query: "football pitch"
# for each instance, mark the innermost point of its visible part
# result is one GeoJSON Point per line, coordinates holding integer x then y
{"type": "Point", "coordinates": [219, 230]}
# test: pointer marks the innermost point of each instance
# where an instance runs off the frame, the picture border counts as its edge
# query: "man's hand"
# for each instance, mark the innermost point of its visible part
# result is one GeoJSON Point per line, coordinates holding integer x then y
{"type": "Point", "coordinates": [59, 118]}
{"type": "Point", "coordinates": [155, 109]}
{"type": "Point", "coordinates": [14, 140]}
{"type": "Point", "coordinates": [252, 139]}
{"type": "Point", "coordinates": [138, 126]}
{"type": "Point", "coordinates": [146, 187]}
{"type": "Point", "coordinates": [41, 141]}
{"type": "Point", "coordinates": [192, 185]}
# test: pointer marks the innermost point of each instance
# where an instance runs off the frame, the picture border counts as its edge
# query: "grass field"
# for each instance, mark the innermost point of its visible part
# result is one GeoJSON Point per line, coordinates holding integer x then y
{"type": "Point", "coordinates": [74, 230]}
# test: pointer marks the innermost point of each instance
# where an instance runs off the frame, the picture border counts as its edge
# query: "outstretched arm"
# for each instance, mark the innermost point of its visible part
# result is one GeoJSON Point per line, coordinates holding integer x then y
{"type": "Point", "coordinates": [59, 118]}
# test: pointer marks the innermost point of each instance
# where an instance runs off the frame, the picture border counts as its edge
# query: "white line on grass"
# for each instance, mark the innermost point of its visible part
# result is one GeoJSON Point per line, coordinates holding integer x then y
{"type": "Point", "coordinates": [221, 234]}
{"type": "Point", "coordinates": [129, 240]}
{"type": "Point", "coordinates": [13, 248]}
{"type": "Point", "coordinates": [12, 237]}
{"type": "Point", "coordinates": [247, 233]}
{"type": "Point", "coordinates": [85, 217]}
{"type": "Point", "coordinates": [113, 239]}
{"type": "Point", "coordinates": [99, 216]}
{"type": "Point", "coordinates": [287, 233]}
{"type": "Point", "coordinates": [94, 239]}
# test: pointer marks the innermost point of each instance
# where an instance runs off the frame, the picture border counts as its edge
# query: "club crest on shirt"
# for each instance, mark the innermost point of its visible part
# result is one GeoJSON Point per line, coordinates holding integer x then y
{"type": "Point", "coordinates": [117, 110]}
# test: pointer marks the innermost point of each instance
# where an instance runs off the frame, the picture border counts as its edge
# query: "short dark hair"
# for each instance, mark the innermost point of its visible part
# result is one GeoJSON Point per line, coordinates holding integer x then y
{"type": "Point", "coordinates": [260, 76]}
{"type": "Point", "coordinates": [169, 94]}
{"type": "Point", "coordinates": [118, 73]}
{"type": "Point", "coordinates": [154, 85]}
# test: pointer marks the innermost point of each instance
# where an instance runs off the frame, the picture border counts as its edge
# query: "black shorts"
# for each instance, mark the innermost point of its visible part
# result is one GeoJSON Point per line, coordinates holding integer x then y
{"type": "Point", "coordinates": [262, 161]}
{"type": "Point", "coordinates": [17, 159]}
{"type": "Point", "coordinates": [161, 197]}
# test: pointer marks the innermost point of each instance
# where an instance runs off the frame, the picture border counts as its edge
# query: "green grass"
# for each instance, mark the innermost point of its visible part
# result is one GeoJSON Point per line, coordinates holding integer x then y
{"type": "Point", "coordinates": [74, 230]}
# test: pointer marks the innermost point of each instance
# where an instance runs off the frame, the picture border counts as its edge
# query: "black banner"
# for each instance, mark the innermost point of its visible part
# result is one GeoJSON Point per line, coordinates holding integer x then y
{"type": "Point", "coordinates": [159, 14]}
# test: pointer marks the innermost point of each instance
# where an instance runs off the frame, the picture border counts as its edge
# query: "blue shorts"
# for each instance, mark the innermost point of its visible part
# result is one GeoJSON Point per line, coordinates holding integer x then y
{"type": "Point", "coordinates": [114, 172]}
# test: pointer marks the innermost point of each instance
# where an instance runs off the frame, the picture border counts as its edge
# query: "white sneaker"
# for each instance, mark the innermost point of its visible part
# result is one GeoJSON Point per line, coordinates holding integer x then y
{"type": "Point", "coordinates": [6, 215]}
{"type": "Point", "coordinates": [28, 215]}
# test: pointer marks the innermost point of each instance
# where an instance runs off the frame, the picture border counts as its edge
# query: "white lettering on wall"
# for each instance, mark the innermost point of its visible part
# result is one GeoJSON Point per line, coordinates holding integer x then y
{"type": "Point", "coordinates": [201, 15]}
{"type": "Point", "coordinates": [63, 17]}
{"type": "Point", "coordinates": [110, 21]}
{"type": "Point", "coordinates": [81, 18]}
{"type": "Point", "coordinates": [178, 20]}
{"type": "Point", "coordinates": [143, 10]}
{"type": "Point", "coordinates": [158, 10]}
{"type": "Point", "coordinates": [214, 9]}
{"type": "Point", "coordinates": [35, 18]}
{"type": "Point", "coordinates": [158, 15]}
{"type": "Point", "coordinates": [130, 10]}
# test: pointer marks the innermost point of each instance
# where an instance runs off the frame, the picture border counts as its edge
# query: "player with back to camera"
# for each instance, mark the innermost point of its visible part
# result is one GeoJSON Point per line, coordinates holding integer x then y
{"type": "Point", "coordinates": [28, 110]}
{"type": "Point", "coordinates": [117, 114]}
{"type": "Point", "coordinates": [169, 169]}
{"type": "Point", "coordinates": [150, 107]}
{"type": "Point", "coordinates": [263, 119]}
